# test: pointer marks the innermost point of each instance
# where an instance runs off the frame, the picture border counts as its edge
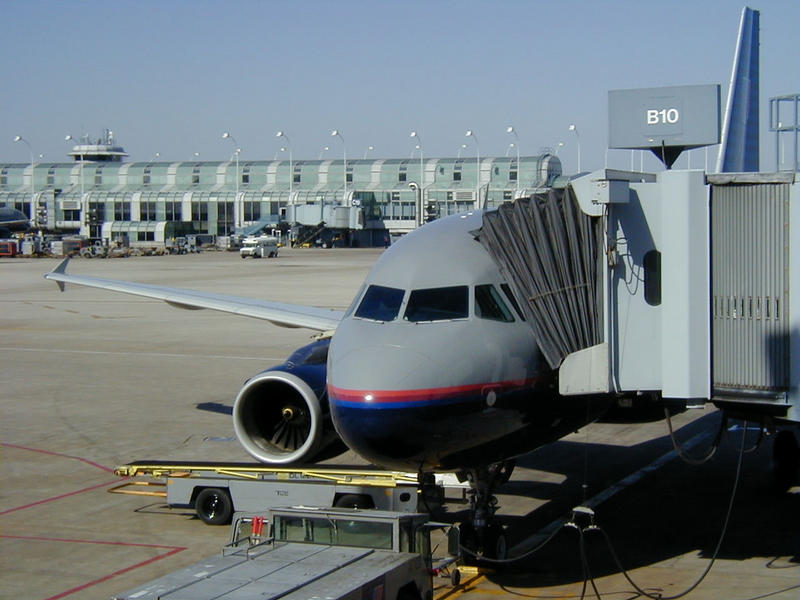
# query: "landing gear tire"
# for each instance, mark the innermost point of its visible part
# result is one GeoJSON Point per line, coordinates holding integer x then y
{"type": "Point", "coordinates": [495, 545]}
{"type": "Point", "coordinates": [785, 460]}
{"type": "Point", "coordinates": [214, 506]}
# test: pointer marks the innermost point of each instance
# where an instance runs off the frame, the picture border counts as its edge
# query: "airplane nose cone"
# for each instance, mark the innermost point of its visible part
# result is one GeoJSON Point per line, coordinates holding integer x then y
{"type": "Point", "coordinates": [388, 402]}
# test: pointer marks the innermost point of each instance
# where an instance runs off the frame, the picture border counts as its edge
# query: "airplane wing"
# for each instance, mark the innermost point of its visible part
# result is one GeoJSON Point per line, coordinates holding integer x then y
{"type": "Point", "coordinates": [285, 315]}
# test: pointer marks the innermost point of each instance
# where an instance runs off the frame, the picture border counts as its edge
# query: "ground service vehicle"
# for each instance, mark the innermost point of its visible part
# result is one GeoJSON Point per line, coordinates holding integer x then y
{"type": "Point", "coordinates": [265, 246]}
{"type": "Point", "coordinates": [310, 552]}
{"type": "Point", "coordinates": [216, 491]}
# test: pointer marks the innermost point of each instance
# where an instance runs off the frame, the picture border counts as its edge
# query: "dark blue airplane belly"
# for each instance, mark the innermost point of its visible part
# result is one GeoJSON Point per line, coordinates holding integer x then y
{"type": "Point", "coordinates": [459, 432]}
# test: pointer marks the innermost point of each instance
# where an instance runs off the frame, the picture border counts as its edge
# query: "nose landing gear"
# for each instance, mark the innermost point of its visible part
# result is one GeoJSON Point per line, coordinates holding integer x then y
{"type": "Point", "coordinates": [482, 536]}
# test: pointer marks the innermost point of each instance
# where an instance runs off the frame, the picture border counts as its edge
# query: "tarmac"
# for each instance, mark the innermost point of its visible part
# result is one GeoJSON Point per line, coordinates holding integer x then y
{"type": "Point", "coordinates": [90, 380]}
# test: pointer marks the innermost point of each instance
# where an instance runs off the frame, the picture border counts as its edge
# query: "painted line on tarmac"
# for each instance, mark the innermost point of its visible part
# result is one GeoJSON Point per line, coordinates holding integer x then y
{"type": "Point", "coordinates": [54, 498]}
{"type": "Point", "coordinates": [537, 538]}
{"type": "Point", "coordinates": [59, 454]}
{"type": "Point", "coordinates": [68, 494]}
{"type": "Point", "coordinates": [172, 550]}
{"type": "Point", "coordinates": [143, 353]}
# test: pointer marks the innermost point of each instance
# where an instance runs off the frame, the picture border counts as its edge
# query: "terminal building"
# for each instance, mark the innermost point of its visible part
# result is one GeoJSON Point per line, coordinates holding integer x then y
{"type": "Point", "coordinates": [100, 195]}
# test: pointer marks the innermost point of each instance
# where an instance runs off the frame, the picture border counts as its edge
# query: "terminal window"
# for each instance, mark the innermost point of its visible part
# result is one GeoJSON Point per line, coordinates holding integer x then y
{"type": "Point", "coordinates": [122, 211]}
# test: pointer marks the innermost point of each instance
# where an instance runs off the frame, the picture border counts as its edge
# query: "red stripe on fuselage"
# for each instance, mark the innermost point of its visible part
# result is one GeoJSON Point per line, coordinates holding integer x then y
{"type": "Point", "coordinates": [427, 394]}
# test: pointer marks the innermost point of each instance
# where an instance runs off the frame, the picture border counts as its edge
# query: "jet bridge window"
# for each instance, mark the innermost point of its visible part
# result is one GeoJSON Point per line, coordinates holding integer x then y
{"type": "Point", "coordinates": [489, 304]}
{"type": "Point", "coordinates": [380, 303]}
{"type": "Point", "coordinates": [652, 278]}
{"type": "Point", "coordinates": [438, 304]}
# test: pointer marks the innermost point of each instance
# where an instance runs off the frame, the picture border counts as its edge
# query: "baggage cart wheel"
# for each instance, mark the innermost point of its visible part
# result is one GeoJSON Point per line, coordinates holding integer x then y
{"type": "Point", "coordinates": [214, 506]}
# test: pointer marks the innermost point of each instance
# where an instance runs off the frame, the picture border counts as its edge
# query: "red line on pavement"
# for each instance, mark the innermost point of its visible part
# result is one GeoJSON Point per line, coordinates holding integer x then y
{"type": "Point", "coordinates": [88, 462]}
{"type": "Point", "coordinates": [58, 454]}
{"type": "Point", "coordinates": [54, 498]}
{"type": "Point", "coordinates": [172, 550]}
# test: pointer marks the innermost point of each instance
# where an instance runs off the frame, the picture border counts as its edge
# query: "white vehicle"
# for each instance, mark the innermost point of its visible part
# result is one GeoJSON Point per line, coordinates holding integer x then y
{"type": "Point", "coordinates": [265, 246]}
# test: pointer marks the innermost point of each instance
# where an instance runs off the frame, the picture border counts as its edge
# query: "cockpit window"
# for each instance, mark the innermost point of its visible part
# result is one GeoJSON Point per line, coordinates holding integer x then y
{"type": "Point", "coordinates": [380, 303]}
{"type": "Point", "coordinates": [438, 304]}
{"type": "Point", "coordinates": [489, 304]}
{"type": "Point", "coordinates": [507, 290]}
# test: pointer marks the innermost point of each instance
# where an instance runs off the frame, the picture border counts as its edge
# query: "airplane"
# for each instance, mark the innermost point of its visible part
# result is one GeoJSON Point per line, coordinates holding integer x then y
{"type": "Point", "coordinates": [429, 369]}
{"type": "Point", "coordinates": [12, 219]}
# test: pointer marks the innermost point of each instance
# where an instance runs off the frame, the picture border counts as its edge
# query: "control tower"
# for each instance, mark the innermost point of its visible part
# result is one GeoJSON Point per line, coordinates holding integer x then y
{"type": "Point", "coordinates": [102, 149]}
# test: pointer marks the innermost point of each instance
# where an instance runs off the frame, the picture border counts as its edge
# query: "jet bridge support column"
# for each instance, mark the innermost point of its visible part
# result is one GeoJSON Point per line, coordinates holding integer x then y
{"type": "Point", "coordinates": [685, 286]}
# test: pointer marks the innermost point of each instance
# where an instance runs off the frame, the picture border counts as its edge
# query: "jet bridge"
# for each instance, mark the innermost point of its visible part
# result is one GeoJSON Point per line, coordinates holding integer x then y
{"type": "Point", "coordinates": [678, 283]}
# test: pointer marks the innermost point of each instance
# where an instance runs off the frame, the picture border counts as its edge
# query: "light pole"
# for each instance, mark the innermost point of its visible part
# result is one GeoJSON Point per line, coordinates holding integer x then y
{"type": "Point", "coordinates": [68, 138]}
{"type": "Point", "coordinates": [368, 150]}
{"type": "Point", "coordinates": [578, 137]}
{"type": "Point", "coordinates": [418, 189]}
{"type": "Point", "coordinates": [228, 136]}
{"type": "Point", "coordinates": [510, 129]}
{"type": "Point", "coordinates": [19, 138]}
{"type": "Point", "coordinates": [291, 165]}
{"type": "Point", "coordinates": [471, 134]}
{"type": "Point", "coordinates": [463, 147]}
{"type": "Point", "coordinates": [414, 134]}
{"type": "Point", "coordinates": [323, 151]}
{"type": "Point", "coordinates": [335, 133]}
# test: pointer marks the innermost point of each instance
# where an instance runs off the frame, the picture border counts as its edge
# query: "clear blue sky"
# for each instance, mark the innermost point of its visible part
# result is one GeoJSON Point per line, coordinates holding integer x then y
{"type": "Point", "coordinates": [171, 76]}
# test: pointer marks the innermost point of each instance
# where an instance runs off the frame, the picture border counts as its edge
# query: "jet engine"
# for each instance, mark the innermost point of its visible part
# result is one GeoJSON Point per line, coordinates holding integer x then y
{"type": "Point", "coordinates": [281, 416]}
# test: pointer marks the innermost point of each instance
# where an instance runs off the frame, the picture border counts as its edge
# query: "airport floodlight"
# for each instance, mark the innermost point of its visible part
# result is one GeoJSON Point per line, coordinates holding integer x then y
{"type": "Point", "coordinates": [471, 134]}
{"type": "Point", "coordinates": [510, 129]}
{"type": "Point", "coordinates": [282, 134]}
{"type": "Point", "coordinates": [572, 127]}
{"type": "Point", "coordinates": [414, 134]}
{"type": "Point", "coordinates": [237, 152]}
{"type": "Point", "coordinates": [69, 138]}
{"type": "Point", "coordinates": [336, 133]}
{"type": "Point", "coordinates": [19, 138]}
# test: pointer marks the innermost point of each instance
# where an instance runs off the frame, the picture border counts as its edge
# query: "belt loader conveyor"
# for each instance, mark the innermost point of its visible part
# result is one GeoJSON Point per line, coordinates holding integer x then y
{"type": "Point", "coordinates": [216, 491]}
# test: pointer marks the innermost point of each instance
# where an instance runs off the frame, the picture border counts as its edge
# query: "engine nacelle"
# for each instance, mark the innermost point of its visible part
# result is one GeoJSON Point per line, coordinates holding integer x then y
{"type": "Point", "coordinates": [281, 416]}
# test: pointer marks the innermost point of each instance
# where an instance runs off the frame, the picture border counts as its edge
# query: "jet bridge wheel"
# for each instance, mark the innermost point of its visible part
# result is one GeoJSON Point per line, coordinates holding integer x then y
{"type": "Point", "coordinates": [214, 506]}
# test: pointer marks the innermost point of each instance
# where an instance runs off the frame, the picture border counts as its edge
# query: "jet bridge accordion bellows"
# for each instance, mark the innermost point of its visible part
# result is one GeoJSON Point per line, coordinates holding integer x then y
{"type": "Point", "coordinates": [551, 254]}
